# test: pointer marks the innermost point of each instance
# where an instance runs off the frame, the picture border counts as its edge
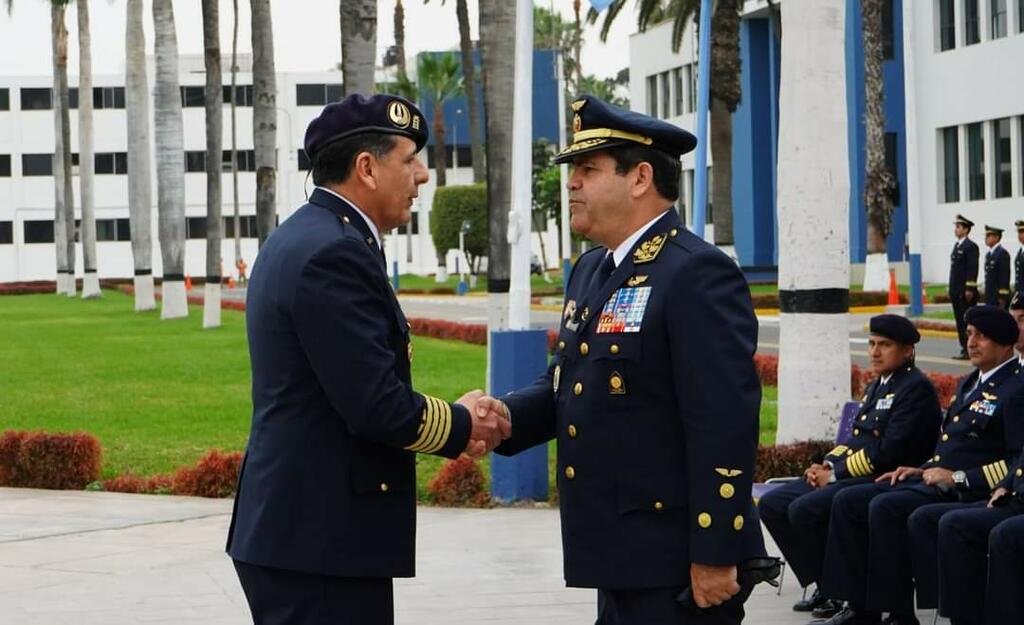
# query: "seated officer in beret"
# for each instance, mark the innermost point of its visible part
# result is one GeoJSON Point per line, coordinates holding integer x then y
{"type": "Point", "coordinates": [896, 426]}
{"type": "Point", "coordinates": [652, 392]}
{"type": "Point", "coordinates": [997, 269]}
{"type": "Point", "coordinates": [325, 514]}
{"type": "Point", "coordinates": [868, 558]}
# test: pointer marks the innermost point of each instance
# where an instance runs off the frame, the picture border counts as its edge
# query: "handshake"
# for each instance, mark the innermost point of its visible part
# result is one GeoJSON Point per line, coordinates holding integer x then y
{"type": "Point", "coordinates": [490, 421]}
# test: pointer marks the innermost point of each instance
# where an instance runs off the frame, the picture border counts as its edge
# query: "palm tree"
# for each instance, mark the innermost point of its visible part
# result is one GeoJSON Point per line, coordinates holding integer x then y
{"type": "Point", "coordinates": [438, 75]}
{"type": "Point", "coordinates": [170, 161]}
{"type": "Point", "coordinates": [86, 165]}
{"type": "Point", "coordinates": [879, 183]}
{"type": "Point", "coordinates": [140, 193]}
{"type": "Point", "coordinates": [264, 118]}
{"type": "Point", "coordinates": [399, 24]}
{"type": "Point", "coordinates": [214, 148]}
{"type": "Point", "coordinates": [234, 135]}
{"type": "Point", "coordinates": [726, 70]}
{"type": "Point", "coordinates": [64, 206]}
{"type": "Point", "coordinates": [813, 197]}
{"type": "Point", "coordinates": [358, 45]}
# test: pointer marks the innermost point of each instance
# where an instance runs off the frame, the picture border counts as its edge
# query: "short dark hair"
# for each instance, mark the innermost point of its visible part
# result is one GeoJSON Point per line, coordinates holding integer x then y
{"type": "Point", "coordinates": [667, 169]}
{"type": "Point", "coordinates": [334, 162]}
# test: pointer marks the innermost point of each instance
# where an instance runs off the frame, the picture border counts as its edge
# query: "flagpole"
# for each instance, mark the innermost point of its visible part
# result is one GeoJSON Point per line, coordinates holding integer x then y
{"type": "Point", "coordinates": [700, 174]}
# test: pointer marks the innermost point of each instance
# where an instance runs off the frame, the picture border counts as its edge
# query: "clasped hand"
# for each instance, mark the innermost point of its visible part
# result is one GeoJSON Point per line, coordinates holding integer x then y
{"type": "Point", "coordinates": [490, 421]}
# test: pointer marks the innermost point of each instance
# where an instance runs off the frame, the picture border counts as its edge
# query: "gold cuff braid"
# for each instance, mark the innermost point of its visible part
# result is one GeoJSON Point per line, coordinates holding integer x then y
{"type": "Point", "coordinates": [435, 426]}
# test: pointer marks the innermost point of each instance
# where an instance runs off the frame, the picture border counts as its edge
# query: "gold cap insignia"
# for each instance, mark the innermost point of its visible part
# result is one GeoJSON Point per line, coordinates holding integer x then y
{"type": "Point", "coordinates": [577, 123]}
{"type": "Point", "coordinates": [415, 122]}
{"type": "Point", "coordinates": [577, 105]}
{"type": "Point", "coordinates": [649, 249]}
{"type": "Point", "coordinates": [399, 114]}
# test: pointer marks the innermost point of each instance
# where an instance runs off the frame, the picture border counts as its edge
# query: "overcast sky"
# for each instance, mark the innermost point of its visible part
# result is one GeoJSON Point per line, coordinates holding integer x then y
{"type": "Point", "coordinates": [306, 34]}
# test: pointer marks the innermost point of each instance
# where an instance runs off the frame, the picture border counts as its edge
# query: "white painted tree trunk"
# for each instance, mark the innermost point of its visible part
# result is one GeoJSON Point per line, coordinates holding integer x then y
{"type": "Point", "coordinates": [214, 166]}
{"type": "Point", "coordinates": [170, 161]}
{"type": "Point", "coordinates": [64, 209]}
{"type": "Point", "coordinates": [86, 165]}
{"type": "Point", "coordinates": [813, 210]}
{"type": "Point", "coordinates": [442, 273]}
{"type": "Point", "coordinates": [140, 193]}
{"type": "Point", "coordinates": [876, 272]}
{"type": "Point", "coordinates": [211, 305]}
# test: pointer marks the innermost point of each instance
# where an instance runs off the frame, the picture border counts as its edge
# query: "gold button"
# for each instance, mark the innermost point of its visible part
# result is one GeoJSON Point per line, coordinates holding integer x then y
{"type": "Point", "coordinates": [570, 472]}
{"type": "Point", "coordinates": [572, 431]}
{"type": "Point", "coordinates": [877, 433]}
{"type": "Point", "coordinates": [584, 349]}
{"type": "Point", "coordinates": [673, 232]}
{"type": "Point", "coordinates": [561, 345]}
{"type": "Point", "coordinates": [945, 437]}
{"type": "Point", "coordinates": [856, 431]}
{"type": "Point", "coordinates": [727, 491]}
{"type": "Point", "coordinates": [1020, 473]}
{"type": "Point", "coordinates": [737, 523]}
{"type": "Point", "coordinates": [956, 419]}
{"type": "Point", "coordinates": [864, 418]}
{"type": "Point", "coordinates": [383, 487]}
{"type": "Point", "coordinates": [577, 388]}
{"type": "Point", "coordinates": [704, 520]}
{"type": "Point", "coordinates": [345, 219]}
{"type": "Point", "coordinates": [658, 505]}
{"type": "Point", "coordinates": [935, 458]}
{"type": "Point", "coordinates": [849, 452]}
{"type": "Point", "coordinates": [614, 348]}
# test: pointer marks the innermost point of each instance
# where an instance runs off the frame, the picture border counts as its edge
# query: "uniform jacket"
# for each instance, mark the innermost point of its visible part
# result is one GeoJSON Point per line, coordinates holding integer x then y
{"type": "Point", "coordinates": [655, 409]}
{"type": "Point", "coordinates": [963, 267]}
{"type": "Point", "coordinates": [328, 483]}
{"type": "Point", "coordinates": [1018, 268]}
{"type": "Point", "coordinates": [982, 431]}
{"type": "Point", "coordinates": [897, 425]}
{"type": "Point", "coordinates": [997, 277]}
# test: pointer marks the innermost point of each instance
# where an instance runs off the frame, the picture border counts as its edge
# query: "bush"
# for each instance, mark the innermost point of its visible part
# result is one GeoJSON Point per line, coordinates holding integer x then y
{"type": "Point", "coordinates": [46, 460]}
{"type": "Point", "coordinates": [460, 483]}
{"type": "Point", "coordinates": [453, 205]}
{"type": "Point", "coordinates": [215, 475]}
{"type": "Point", "coordinates": [129, 483]}
{"type": "Point", "coordinates": [767, 366]}
{"type": "Point", "coordinates": [789, 460]}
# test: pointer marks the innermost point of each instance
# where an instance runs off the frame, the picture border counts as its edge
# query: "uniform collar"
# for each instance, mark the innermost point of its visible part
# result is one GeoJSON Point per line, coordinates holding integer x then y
{"type": "Point", "coordinates": [995, 247]}
{"type": "Point", "coordinates": [984, 377]}
{"type": "Point", "coordinates": [370, 226]}
{"type": "Point", "coordinates": [624, 248]}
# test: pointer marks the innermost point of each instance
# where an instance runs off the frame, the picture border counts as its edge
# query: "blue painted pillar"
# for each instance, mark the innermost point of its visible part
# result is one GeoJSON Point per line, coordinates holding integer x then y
{"type": "Point", "coordinates": [517, 358]}
{"type": "Point", "coordinates": [916, 308]}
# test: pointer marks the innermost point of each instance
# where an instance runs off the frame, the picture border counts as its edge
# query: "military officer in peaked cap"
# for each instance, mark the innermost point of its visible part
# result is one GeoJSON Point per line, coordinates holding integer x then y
{"type": "Point", "coordinates": [325, 513]}
{"type": "Point", "coordinates": [1018, 261]}
{"type": "Point", "coordinates": [652, 393]}
{"type": "Point", "coordinates": [896, 425]}
{"type": "Point", "coordinates": [997, 269]}
{"type": "Point", "coordinates": [963, 278]}
{"type": "Point", "coordinates": [869, 560]}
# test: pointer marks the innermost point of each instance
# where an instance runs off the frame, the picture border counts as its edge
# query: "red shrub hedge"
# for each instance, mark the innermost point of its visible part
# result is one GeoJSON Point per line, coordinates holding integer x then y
{"type": "Point", "coordinates": [215, 475]}
{"type": "Point", "coordinates": [460, 483]}
{"type": "Point", "coordinates": [787, 460]}
{"type": "Point", "coordinates": [130, 483]}
{"type": "Point", "coordinates": [46, 460]}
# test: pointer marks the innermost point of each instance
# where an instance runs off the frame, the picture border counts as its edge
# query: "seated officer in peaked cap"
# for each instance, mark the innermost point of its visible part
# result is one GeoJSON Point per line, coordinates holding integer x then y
{"type": "Point", "coordinates": [870, 559]}
{"type": "Point", "coordinates": [652, 393]}
{"type": "Point", "coordinates": [325, 513]}
{"type": "Point", "coordinates": [997, 269]}
{"type": "Point", "coordinates": [896, 425]}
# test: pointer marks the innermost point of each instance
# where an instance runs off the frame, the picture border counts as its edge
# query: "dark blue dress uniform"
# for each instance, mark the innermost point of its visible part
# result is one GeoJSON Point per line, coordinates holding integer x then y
{"type": "Point", "coordinates": [997, 274]}
{"type": "Point", "coordinates": [897, 425]}
{"type": "Point", "coordinates": [978, 434]}
{"type": "Point", "coordinates": [963, 278]}
{"type": "Point", "coordinates": [326, 498]}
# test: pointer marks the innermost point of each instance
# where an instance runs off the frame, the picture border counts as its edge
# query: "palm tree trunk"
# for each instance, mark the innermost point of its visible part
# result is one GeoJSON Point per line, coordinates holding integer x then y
{"type": "Point", "coordinates": [440, 159]}
{"type": "Point", "coordinates": [234, 137]}
{"type": "Point", "coordinates": [264, 118]}
{"type": "Point", "coordinates": [358, 45]}
{"type": "Point", "coordinates": [140, 192]}
{"type": "Point", "coordinates": [399, 24]}
{"type": "Point", "coordinates": [86, 165]}
{"type": "Point", "coordinates": [170, 161]}
{"type": "Point", "coordinates": [476, 143]}
{"type": "Point", "coordinates": [878, 181]}
{"type": "Point", "coordinates": [721, 182]}
{"type": "Point", "coordinates": [813, 199]}
{"type": "Point", "coordinates": [64, 205]}
{"type": "Point", "coordinates": [214, 166]}
{"type": "Point", "coordinates": [726, 91]}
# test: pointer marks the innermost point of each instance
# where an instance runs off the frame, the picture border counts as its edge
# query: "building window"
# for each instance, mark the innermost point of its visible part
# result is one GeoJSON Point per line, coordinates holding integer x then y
{"type": "Point", "coordinates": [5, 99]}
{"type": "Point", "coordinates": [415, 223]}
{"type": "Point", "coordinates": [246, 160]}
{"type": "Point", "coordinates": [972, 25]}
{"type": "Point", "coordinates": [975, 162]}
{"type": "Point", "coordinates": [652, 96]}
{"type": "Point", "coordinates": [950, 164]}
{"type": "Point", "coordinates": [666, 96]}
{"type": "Point", "coordinates": [246, 227]}
{"type": "Point", "coordinates": [111, 162]}
{"type": "Point", "coordinates": [304, 164]}
{"type": "Point", "coordinates": [1020, 16]}
{"type": "Point", "coordinates": [1003, 153]}
{"type": "Point", "coordinates": [888, 36]}
{"type": "Point", "coordinates": [195, 161]}
{"type": "Point", "coordinates": [677, 90]}
{"type": "Point", "coordinates": [195, 227]}
{"type": "Point", "coordinates": [5, 165]}
{"type": "Point", "coordinates": [892, 147]}
{"type": "Point", "coordinates": [192, 96]}
{"type": "Point", "coordinates": [691, 87]}
{"type": "Point", "coordinates": [37, 164]}
{"type": "Point", "coordinates": [36, 99]}
{"type": "Point", "coordinates": [998, 18]}
{"type": "Point", "coordinates": [113, 230]}
{"type": "Point", "coordinates": [244, 95]}
{"type": "Point", "coordinates": [38, 231]}
{"type": "Point", "coordinates": [317, 94]}
{"type": "Point", "coordinates": [6, 232]}
{"type": "Point", "coordinates": [947, 25]}
{"type": "Point", "coordinates": [108, 97]}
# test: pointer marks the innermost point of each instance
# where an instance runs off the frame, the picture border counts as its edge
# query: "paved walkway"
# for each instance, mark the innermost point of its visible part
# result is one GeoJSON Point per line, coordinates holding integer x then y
{"type": "Point", "coordinates": [113, 559]}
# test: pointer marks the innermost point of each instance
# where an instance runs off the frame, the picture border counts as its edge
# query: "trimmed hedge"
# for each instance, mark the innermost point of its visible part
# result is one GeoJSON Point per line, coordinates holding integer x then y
{"type": "Point", "coordinates": [459, 483]}
{"type": "Point", "coordinates": [215, 475]}
{"type": "Point", "coordinates": [788, 460]}
{"type": "Point", "coordinates": [47, 460]}
{"type": "Point", "coordinates": [453, 205]}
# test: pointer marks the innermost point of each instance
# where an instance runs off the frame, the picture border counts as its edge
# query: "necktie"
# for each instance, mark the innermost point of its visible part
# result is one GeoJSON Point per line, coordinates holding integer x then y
{"type": "Point", "coordinates": [604, 271]}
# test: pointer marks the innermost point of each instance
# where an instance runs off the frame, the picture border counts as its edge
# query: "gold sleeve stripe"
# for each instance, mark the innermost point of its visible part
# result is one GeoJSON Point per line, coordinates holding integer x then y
{"type": "Point", "coordinates": [435, 426]}
{"type": "Point", "coordinates": [859, 465]}
{"type": "Point", "coordinates": [989, 476]}
{"type": "Point", "coordinates": [995, 472]}
{"type": "Point", "coordinates": [971, 283]}
{"type": "Point", "coordinates": [1003, 470]}
{"type": "Point", "coordinates": [838, 451]}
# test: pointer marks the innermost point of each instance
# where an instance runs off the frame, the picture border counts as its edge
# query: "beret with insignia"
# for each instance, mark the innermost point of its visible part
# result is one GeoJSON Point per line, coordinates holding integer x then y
{"type": "Point", "coordinates": [993, 322]}
{"type": "Point", "coordinates": [963, 221]}
{"type": "Point", "coordinates": [356, 114]}
{"type": "Point", "coordinates": [895, 327]}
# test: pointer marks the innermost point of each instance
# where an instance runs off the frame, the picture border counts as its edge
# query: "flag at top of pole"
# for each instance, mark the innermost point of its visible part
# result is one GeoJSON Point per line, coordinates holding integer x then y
{"type": "Point", "coordinates": [600, 5]}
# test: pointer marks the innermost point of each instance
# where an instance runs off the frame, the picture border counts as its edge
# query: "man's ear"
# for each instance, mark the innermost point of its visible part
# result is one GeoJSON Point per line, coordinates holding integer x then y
{"type": "Point", "coordinates": [365, 169]}
{"type": "Point", "coordinates": [643, 179]}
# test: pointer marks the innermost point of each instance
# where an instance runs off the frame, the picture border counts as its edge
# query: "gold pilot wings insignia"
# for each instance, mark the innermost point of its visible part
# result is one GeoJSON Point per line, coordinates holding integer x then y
{"type": "Point", "coordinates": [636, 281]}
{"type": "Point", "coordinates": [649, 249]}
{"type": "Point", "coordinates": [989, 396]}
{"type": "Point", "coordinates": [728, 472]}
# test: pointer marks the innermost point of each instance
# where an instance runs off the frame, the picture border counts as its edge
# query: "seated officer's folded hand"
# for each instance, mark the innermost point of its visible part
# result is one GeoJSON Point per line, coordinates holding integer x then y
{"type": "Point", "coordinates": [712, 585]}
{"type": "Point", "coordinates": [490, 423]}
{"type": "Point", "coordinates": [899, 475]}
{"type": "Point", "coordinates": [997, 494]}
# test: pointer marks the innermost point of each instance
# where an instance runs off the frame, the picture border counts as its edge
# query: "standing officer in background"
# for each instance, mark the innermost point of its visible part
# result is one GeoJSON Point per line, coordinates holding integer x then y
{"type": "Point", "coordinates": [997, 269]}
{"type": "Point", "coordinates": [652, 393]}
{"type": "Point", "coordinates": [896, 426]}
{"type": "Point", "coordinates": [963, 278]}
{"type": "Point", "coordinates": [325, 514]}
{"type": "Point", "coordinates": [1018, 261]}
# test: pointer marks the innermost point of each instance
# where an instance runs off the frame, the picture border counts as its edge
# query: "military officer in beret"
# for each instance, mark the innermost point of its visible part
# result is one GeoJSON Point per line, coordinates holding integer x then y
{"type": "Point", "coordinates": [868, 559]}
{"type": "Point", "coordinates": [1018, 261]}
{"type": "Point", "coordinates": [652, 393]}
{"type": "Point", "coordinates": [963, 278]}
{"type": "Point", "coordinates": [897, 425]}
{"type": "Point", "coordinates": [325, 513]}
{"type": "Point", "coordinates": [997, 269]}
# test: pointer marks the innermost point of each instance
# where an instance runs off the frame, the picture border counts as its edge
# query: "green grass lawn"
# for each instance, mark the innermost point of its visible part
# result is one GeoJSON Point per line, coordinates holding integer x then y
{"type": "Point", "coordinates": [160, 394]}
{"type": "Point", "coordinates": [930, 290]}
{"type": "Point", "coordinates": [408, 281]}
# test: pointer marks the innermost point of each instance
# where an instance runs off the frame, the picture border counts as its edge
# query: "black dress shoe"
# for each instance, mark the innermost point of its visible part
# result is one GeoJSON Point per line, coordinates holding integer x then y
{"type": "Point", "coordinates": [849, 616]}
{"type": "Point", "coordinates": [900, 619]}
{"type": "Point", "coordinates": [828, 609]}
{"type": "Point", "coordinates": [810, 603]}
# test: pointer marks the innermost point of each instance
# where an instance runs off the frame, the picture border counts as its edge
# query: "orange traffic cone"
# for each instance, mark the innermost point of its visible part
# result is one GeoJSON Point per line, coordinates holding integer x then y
{"type": "Point", "coordinates": [894, 292]}
{"type": "Point", "coordinates": [231, 282]}
{"type": "Point", "coordinates": [188, 282]}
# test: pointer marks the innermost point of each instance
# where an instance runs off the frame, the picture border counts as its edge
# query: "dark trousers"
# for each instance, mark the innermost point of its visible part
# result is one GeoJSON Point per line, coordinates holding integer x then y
{"type": "Point", "coordinates": [981, 564]}
{"type": "Point", "coordinates": [280, 597]}
{"type": "Point", "coordinates": [797, 517]}
{"type": "Point", "coordinates": [960, 306]}
{"type": "Point", "coordinates": [658, 606]}
{"type": "Point", "coordinates": [923, 525]}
